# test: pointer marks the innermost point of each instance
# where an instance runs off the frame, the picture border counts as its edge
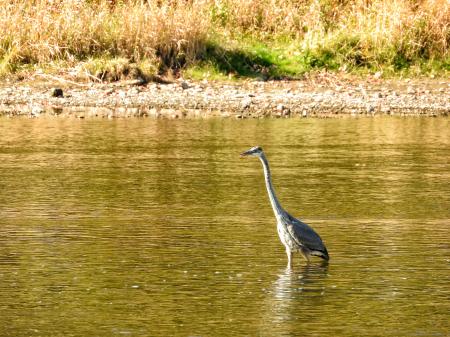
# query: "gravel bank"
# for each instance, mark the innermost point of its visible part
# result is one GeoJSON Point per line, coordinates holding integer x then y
{"type": "Point", "coordinates": [252, 99]}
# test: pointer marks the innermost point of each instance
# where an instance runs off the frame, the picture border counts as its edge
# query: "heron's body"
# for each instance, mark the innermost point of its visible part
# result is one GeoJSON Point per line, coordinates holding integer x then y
{"type": "Point", "coordinates": [294, 234]}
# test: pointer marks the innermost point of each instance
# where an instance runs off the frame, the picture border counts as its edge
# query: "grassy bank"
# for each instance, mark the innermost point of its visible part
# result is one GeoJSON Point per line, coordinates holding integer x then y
{"type": "Point", "coordinates": [109, 40]}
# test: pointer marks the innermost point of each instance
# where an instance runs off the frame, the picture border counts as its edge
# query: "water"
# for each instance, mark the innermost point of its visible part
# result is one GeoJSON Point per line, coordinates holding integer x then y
{"type": "Point", "coordinates": [158, 228]}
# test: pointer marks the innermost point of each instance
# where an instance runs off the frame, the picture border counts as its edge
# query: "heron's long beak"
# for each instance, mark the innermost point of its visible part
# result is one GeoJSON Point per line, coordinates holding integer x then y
{"type": "Point", "coordinates": [246, 153]}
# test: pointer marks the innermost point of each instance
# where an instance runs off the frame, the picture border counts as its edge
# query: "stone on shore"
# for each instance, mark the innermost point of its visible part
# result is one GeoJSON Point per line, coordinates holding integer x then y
{"type": "Point", "coordinates": [247, 99]}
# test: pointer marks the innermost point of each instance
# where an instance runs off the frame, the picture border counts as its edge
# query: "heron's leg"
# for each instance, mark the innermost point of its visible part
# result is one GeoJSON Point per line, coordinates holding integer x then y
{"type": "Point", "coordinates": [305, 254]}
{"type": "Point", "coordinates": [289, 256]}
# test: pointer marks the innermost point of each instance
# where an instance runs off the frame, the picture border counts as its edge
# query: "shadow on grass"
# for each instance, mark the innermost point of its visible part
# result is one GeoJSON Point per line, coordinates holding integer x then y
{"type": "Point", "coordinates": [237, 62]}
{"type": "Point", "coordinates": [259, 64]}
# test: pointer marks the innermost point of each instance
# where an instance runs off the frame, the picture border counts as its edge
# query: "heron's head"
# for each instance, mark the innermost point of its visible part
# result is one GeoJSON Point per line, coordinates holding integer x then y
{"type": "Point", "coordinates": [255, 151]}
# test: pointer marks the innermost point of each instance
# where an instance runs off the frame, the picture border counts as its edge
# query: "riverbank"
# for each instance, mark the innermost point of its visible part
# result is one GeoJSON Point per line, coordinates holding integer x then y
{"type": "Point", "coordinates": [322, 95]}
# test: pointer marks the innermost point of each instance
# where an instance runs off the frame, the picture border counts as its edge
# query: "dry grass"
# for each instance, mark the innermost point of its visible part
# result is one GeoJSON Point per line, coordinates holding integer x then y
{"type": "Point", "coordinates": [43, 31]}
{"type": "Point", "coordinates": [170, 34]}
{"type": "Point", "coordinates": [412, 28]}
{"type": "Point", "coordinates": [407, 29]}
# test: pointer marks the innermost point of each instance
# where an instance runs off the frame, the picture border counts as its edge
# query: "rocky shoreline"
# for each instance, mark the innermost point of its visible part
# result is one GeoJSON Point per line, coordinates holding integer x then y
{"type": "Point", "coordinates": [318, 97]}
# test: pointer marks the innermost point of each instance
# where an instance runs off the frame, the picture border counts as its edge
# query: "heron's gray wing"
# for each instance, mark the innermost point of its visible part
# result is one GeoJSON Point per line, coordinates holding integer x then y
{"type": "Point", "coordinates": [305, 235]}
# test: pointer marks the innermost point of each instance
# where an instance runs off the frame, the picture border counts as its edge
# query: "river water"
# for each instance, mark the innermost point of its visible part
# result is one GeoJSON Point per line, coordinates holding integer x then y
{"type": "Point", "coordinates": [157, 227]}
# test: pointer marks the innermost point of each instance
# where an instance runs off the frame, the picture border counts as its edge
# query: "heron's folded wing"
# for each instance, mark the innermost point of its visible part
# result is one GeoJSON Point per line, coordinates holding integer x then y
{"type": "Point", "coordinates": [305, 235]}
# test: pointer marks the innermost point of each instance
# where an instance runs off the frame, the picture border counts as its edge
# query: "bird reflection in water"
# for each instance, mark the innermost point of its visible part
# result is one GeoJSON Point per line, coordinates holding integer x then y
{"type": "Point", "coordinates": [292, 297]}
{"type": "Point", "coordinates": [304, 279]}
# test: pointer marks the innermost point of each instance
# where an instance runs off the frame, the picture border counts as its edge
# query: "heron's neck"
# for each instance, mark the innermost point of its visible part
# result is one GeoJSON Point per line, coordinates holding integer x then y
{"type": "Point", "coordinates": [277, 209]}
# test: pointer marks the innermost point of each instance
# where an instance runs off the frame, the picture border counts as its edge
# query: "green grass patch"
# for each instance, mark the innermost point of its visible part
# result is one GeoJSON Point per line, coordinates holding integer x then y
{"type": "Point", "coordinates": [245, 58]}
{"type": "Point", "coordinates": [284, 58]}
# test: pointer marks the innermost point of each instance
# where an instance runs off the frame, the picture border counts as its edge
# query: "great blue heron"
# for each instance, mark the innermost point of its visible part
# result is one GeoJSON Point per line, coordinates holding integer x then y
{"type": "Point", "coordinates": [294, 234]}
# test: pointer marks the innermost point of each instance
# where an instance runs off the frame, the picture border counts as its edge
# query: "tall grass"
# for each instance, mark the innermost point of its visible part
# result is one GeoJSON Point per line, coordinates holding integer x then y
{"type": "Point", "coordinates": [387, 32]}
{"type": "Point", "coordinates": [170, 34]}
{"type": "Point", "coordinates": [332, 33]}
{"type": "Point", "coordinates": [42, 31]}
